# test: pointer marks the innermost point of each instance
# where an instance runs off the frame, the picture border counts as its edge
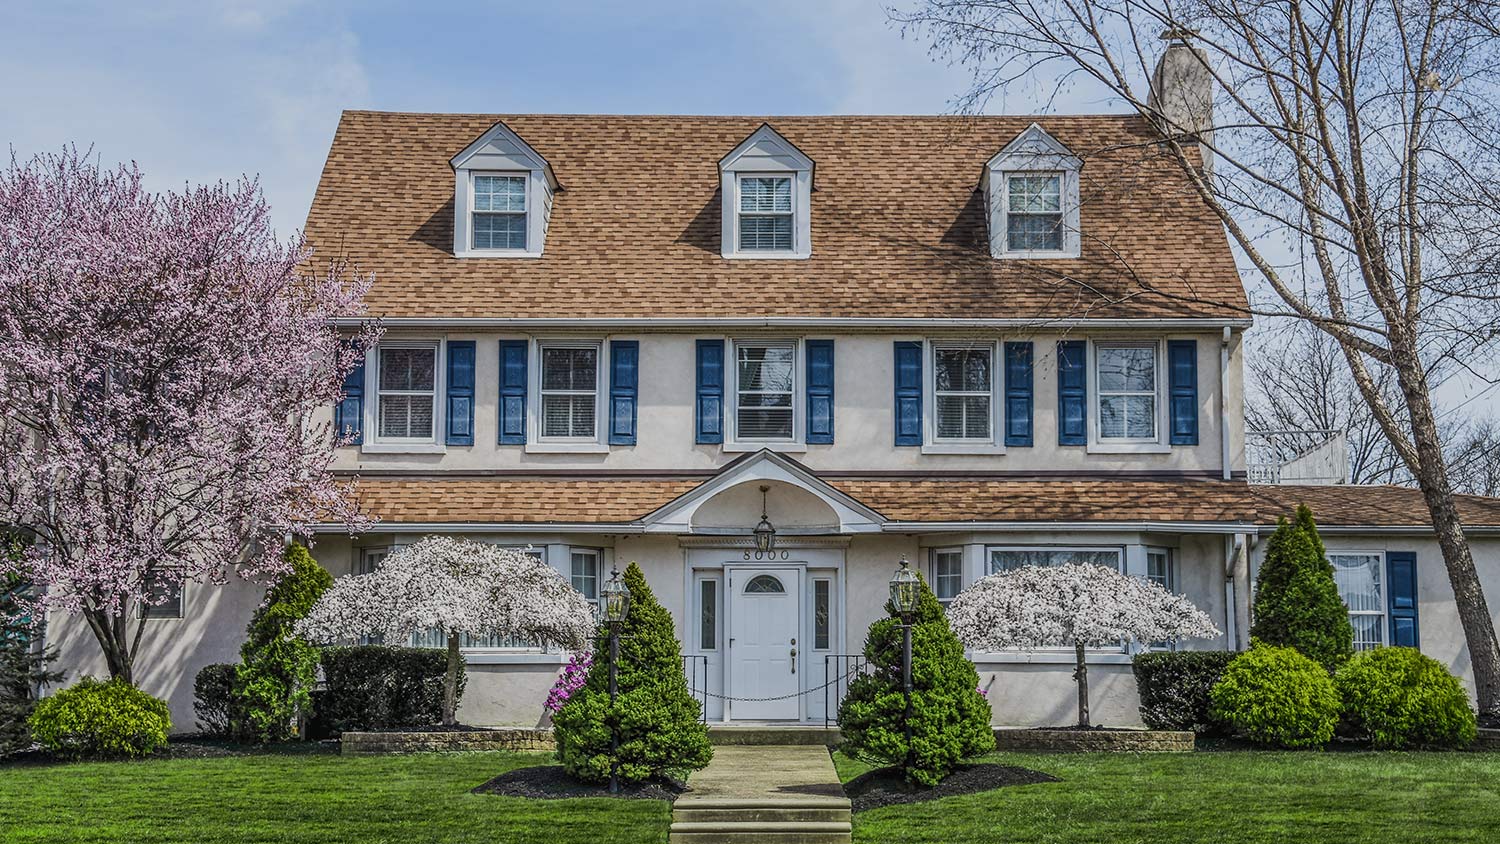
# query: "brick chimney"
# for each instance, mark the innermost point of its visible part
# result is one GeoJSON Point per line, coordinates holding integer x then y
{"type": "Point", "coordinates": [1182, 90]}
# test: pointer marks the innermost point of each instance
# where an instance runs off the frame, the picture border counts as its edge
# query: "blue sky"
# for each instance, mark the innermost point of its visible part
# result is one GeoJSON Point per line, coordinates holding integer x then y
{"type": "Point", "coordinates": [198, 91]}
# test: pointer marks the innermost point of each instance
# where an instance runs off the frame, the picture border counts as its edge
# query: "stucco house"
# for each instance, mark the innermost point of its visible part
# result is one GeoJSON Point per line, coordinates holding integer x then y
{"type": "Point", "coordinates": [974, 343]}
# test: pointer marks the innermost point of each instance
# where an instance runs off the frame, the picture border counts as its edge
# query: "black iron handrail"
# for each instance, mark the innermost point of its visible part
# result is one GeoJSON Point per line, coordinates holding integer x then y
{"type": "Point", "coordinates": [840, 669]}
{"type": "Point", "coordinates": [696, 666]}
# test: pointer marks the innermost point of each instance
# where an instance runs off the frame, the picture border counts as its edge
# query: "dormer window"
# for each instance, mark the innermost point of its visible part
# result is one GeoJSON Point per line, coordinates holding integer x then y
{"type": "Point", "coordinates": [766, 189]}
{"type": "Point", "coordinates": [1031, 190]}
{"type": "Point", "coordinates": [499, 211]}
{"type": "Point", "coordinates": [765, 213]}
{"type": "Point", "coordinates": [502, 197]}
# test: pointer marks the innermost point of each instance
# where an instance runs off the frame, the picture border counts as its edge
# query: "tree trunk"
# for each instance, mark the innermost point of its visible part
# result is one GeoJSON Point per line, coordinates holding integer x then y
{"type": "Point", "coordinates": [450, 681]}
{"type": "Point", "coordinates": [1437, 491]}
{"type": "Point", "coordinates": [109, 631]}
{"type": "Point", "coordinates": [1081, 675]}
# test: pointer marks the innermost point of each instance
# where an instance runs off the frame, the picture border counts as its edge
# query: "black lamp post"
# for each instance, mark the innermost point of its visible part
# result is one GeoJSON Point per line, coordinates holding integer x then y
{"type": "Point", "coordinates": [616, 608]}
{"type": "Point", "coordinates": [904, 588]}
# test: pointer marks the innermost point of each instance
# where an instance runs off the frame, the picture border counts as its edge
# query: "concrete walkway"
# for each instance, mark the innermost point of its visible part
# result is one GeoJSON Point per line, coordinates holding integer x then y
{"type": "Point", "coordinates": [768, 794]}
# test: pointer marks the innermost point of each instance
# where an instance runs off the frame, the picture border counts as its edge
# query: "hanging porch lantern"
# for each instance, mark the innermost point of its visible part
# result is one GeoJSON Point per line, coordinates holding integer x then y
{"type": "Point", "coordinates": [765, 532]}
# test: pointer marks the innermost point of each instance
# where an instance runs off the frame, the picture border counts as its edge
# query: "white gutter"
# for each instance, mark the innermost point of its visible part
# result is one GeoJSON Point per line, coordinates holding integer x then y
{"type": "Point", "coordinates": [1081, 527]}
{"type": "Point", "coordinates": [720, 323]}
{"type": "Point", "coordinates": [1234, 546]}
{"type": "Point", "coordinates": [1224, 403]}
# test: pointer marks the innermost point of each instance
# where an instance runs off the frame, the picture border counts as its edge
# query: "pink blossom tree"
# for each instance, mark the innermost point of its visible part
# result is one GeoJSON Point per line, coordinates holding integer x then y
{"type": "Point", "coordinates": [460, 588]}
{"type": "Point", "coordinates": [1080, 604]}
{"type": "Point", "coordinates": [161, 358]}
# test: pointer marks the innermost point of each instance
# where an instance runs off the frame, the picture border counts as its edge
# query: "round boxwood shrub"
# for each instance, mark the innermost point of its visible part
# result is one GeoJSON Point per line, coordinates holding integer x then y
{"type": "Point", "coordinates": [1399, 698]}
{"type": "Point", "coordinates": [99, 719]}
{"type": "Point", "coordinates": [950, 719]}
{"type": "Point", "coordinates": [1278, 697]}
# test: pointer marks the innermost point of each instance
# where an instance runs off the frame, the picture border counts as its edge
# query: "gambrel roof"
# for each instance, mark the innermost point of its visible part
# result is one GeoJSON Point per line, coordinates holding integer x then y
{"type": "Point", "coordinates": [897, 222]}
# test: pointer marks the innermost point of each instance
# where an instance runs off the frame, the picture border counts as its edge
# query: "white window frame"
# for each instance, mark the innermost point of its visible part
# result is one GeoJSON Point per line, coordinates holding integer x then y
{"type": "Point", "coordinates": [1382, 596]}
{"type": "Point", "coordinates": [931, 442]}
{"type": "Point", "coordinates": [932, 570]}
{"type": "Point", "coordinates": [1168, 582]}
{"type": "Point", "coordinates": [734, 442]}
{"type": "Point", "coordinates": [539, 444]}
{"type": "Point", "coordinates": [1062, 213]}
{"type": "Point", "coordinates": [525, 215]}
{"type": "Point", "coordinates": [373, 441]}
{"type": "Point", "coordinates": [739, 180]}
{"type": "Point", "coordinates": [1097, 443]}
{"type": "Point", "coordinates": [363, 565]}
{"type": "Point", "coordinates": [697, 603]}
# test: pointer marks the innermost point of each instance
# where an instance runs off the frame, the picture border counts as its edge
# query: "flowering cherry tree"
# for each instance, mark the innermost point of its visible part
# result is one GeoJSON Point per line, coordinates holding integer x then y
{"type": "Point", "coordinates": [1080, 604]}
{"type": "Point", "coordinates": [457, 586]}
{"type": "Point", "coordinates": [161, 355]}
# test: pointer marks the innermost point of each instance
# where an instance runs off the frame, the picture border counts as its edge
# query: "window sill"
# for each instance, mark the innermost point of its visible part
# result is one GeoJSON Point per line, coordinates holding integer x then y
{"type": "Point", "coordinates": [783, 447]}
{"type": "Point", "coordinates": [566, 448]}
{"type": "Point", "coordinates": [495, 657]}
{"type": "Point", "coordinates": [1128, 448]}
{"type": "Point", "coordinates": [403, 448]}
{"type": "Point", "coordinates": [768, 256]}
{"type": "Point", "coordinates": [963, 448]}
{"type": "Point", "coordinates": [1035, 255]}
{"type": "Point", "coordinates": [485, 253]}
{"type": "Point", "coordinates": [1048, 658]}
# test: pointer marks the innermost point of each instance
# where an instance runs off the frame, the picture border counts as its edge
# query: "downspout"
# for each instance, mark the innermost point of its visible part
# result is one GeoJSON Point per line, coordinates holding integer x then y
{"type": "Point", "coordinates": [1224, 403]}
{"type": "Point", "coordinates": [1234, 546]}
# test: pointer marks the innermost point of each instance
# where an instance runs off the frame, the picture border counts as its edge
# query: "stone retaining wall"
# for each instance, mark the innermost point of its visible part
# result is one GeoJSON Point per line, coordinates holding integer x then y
{"type": "Point", "coordinates": [1487, 740]}
{"type": "Point", "coordinates": [1092, 741]}
{"type": "Point", "coordinates": [364, 744]}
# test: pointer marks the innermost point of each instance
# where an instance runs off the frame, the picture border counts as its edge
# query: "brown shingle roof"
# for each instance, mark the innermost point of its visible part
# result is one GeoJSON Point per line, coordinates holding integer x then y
{"type": "Point", "coordinates": [898, 226]}
{"type": "Point", "coordinates": [623, 500]}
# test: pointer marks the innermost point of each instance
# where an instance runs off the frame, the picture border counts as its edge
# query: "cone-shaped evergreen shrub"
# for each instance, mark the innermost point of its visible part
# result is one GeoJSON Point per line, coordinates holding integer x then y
{"type": "Point", "coordinates": [21, 668]}
{"type": "Point", "coordinates": [950, 719]}
{"type": "Point", "coordinates": [655, 717]}
{"type": "Point", "coordinates": [278, 668]}
{"type": "Point", "coordinates": [1297, 604]}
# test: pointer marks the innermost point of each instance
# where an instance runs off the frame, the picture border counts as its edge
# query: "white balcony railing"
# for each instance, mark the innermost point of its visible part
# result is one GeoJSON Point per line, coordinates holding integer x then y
{"type": "Point", "coordinates": [1297, 457]}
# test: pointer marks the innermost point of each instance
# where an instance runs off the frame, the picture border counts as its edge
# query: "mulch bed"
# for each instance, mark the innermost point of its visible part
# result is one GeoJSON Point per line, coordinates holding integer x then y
{"type": "Point", "coordinates": [885, 786]}
{"type": "Point", "coordinates": [550, 782]}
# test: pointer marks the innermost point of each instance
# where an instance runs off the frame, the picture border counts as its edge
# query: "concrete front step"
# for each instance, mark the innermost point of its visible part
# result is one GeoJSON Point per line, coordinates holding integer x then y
{"type": "Point", "coordinates": [732, 735]}
{"type": "Point", "coordinates": [776, 814]}
{"type": "Point", "coordinates": [760, 832]}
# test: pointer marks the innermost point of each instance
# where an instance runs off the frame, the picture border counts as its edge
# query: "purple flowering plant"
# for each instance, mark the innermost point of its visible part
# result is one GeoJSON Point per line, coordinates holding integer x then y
{"type": "Point", "coordinates": [570, 681]}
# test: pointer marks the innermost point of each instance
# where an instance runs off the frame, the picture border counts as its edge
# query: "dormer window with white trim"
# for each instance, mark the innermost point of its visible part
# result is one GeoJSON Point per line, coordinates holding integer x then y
{"type": "Point", "coordinates": [1031, 190]}
{"type": "Point", "coordinates": [502, 197]}
{"type": "Point", "coordinates": [766, 188]}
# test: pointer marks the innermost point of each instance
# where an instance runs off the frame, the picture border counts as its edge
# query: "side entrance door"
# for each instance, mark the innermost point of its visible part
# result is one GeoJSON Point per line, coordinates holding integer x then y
{"type": "Point", "coordinates": [764, 619]}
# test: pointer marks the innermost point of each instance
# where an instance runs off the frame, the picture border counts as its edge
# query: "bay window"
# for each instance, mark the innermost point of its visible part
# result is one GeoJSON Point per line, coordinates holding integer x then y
{"type": "Point", "coordinates": [1007, 558]}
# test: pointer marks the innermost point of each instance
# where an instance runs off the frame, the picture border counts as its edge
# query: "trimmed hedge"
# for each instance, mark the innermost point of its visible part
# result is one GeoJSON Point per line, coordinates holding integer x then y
{"type": "Point", "coordinates": [1398, 698]}
{"type": "Point", "coordinates": [950, 719]}
{"type": "Point", "coordinates": [98, 719]}
{"type": "Point", "coordinates": [213, 698]}
{"type": "Point", "coordinates": [379, 687]}
{"type": "Point", "coordinates": [1174, 689]}
{"type": "Point", "coordinates": [1278, 697]}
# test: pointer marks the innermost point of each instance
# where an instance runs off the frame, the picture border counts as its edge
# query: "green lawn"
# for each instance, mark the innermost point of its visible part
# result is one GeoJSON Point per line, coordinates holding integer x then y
{"type": "Point", "coordinates": [328, 799]}
{"type": "Point", "coordinates": [1239, 797]}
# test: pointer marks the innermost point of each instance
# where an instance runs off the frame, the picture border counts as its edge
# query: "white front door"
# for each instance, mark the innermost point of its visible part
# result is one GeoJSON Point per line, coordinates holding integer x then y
{"type": "Point", "coordinates": [764, 619]}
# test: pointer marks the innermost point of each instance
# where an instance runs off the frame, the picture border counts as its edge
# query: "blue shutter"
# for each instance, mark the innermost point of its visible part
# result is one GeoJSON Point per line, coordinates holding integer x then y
{"type": "Point", "coordinates": [349, 414]}
{"type": "Point", "coordinates": [1072, 393]}
{"type": "Point", "coordinates": [460, 392]}
{"type": "Point", "coordinates": [1401, 589]}
{"type": "Point", "coordinates": [1182, 369]}
{"type": "Point", "coordinates": [512, 392]}
{"type": "Point", "coordinates": [819, 391]}
{"type": "Point", "coordinates": [908, 393]}
{"type": "Point", "coordinates": [710, 407]}
{"type": "Point", "coordinates": [624, 366]}
{"type": "Point", "coordinates": [1018, 394]}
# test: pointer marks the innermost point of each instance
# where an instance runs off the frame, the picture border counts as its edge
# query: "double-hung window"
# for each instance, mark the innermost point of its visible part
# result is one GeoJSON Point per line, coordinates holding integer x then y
{"type": "Point", "coordinates": [1126, 375]}
{"type": "Point", "coordinates": [499, 213]}
{"type": "Point", "coordinates": [165, 601]}
{"type": "Point", "coordinates": [947, 573]}
{"type": "Point", "coordinates": [569, 392]}
{"type": "Point", "coordinates": [583, 572]}
{"type": "Point", "coordinates": [765, 388]}
{"type": "Point", "coordinates": [963, 393]}
{"type": "Point", "coordinates": [1358, 575]}
{"type": "Point", "coordinates": [1034, 212]}
{"type": "Point", "coordinates": [406, 391]}
{"type": "Point", "coordinates": [765, 214]}
{"type": "Point", "coordinates": [1159, 570]}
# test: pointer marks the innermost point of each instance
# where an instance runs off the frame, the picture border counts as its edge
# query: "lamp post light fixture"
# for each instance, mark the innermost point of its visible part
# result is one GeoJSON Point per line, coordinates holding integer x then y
{"type": "Point", "coordinates": [765, 532]}
{"type": "Point", "coordinates": [905, 588]}
{"type": "Point", "coordinates": [616, 608]}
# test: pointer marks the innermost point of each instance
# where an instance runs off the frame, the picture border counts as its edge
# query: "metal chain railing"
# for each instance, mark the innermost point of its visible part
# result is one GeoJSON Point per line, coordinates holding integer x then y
{"type": "Point", "coordinates": [843, 678]}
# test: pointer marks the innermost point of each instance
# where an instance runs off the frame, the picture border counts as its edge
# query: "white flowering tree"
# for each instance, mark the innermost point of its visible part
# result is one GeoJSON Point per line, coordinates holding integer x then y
{"type": "Point", "coordinates": [457, 586]}
{"type": "Point", "coordinates": [1080, 604]}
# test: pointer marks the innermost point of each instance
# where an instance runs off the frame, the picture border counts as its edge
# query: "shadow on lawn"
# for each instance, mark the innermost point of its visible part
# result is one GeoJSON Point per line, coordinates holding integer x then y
{"type": "Point", "coordinates": [886, 787]}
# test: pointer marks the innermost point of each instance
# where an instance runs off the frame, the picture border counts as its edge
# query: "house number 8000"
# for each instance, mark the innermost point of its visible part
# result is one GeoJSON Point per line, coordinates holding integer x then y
{"type": "Point", "coordinates": [768, 555]}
